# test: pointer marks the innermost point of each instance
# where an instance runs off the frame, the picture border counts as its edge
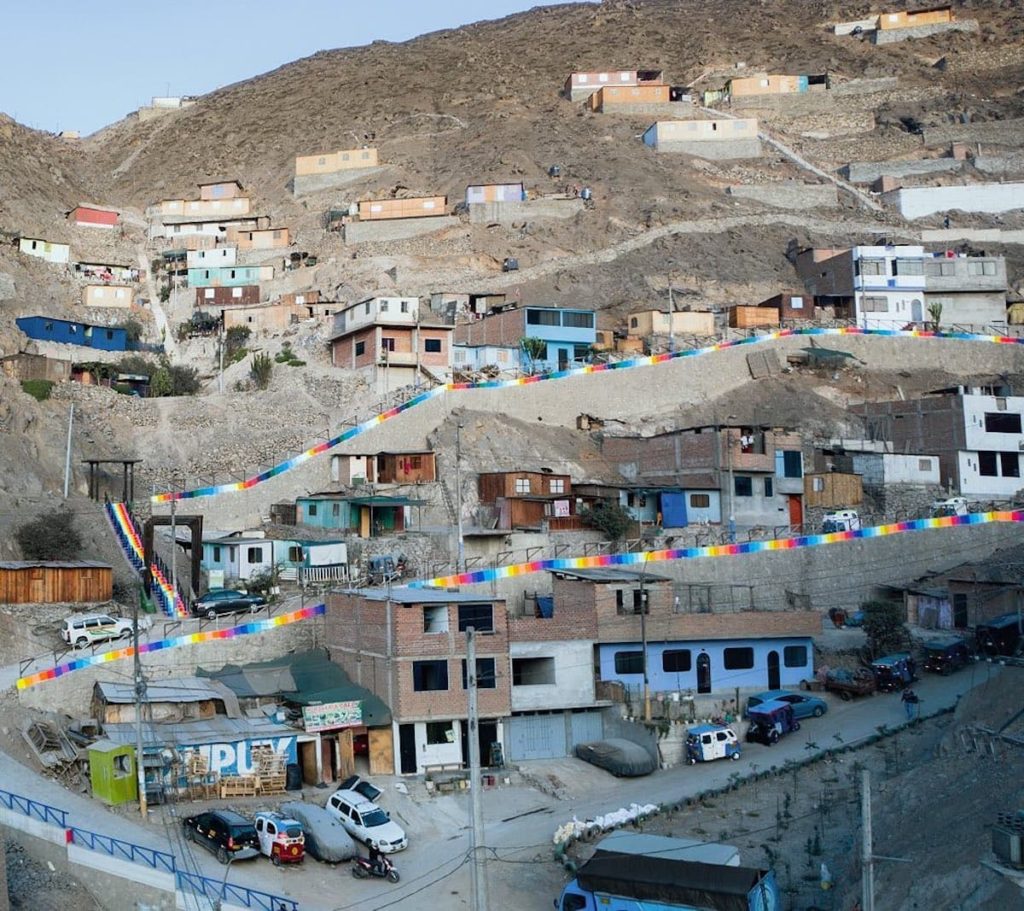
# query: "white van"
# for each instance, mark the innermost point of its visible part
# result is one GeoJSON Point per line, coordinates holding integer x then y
{"type": "Point", "coordinates": [840, 520]}
{"type": "Point", "coordinates": [86, 629]}
{"type": "Point", "coordinates": [954, 506]}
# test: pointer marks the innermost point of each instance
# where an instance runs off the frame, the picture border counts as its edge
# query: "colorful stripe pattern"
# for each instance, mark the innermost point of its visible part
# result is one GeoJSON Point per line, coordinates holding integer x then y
{"type": "Point", "coordinates": [213, 635]}
{"type": "Point", "coordinates": [649, 361]}
{"type": "Point", "coordinates": [722, 550]}
{"type": "Point", "coordinates": [128, 534]}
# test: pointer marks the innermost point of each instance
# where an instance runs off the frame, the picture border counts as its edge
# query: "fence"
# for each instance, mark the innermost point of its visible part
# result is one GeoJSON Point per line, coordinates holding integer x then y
{"type": "Point", "coordinates": [161, 861]}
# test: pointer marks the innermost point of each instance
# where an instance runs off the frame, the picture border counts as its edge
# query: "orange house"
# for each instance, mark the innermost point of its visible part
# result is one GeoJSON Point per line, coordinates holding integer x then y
{"type": "Point", "coordinates": [416, 207]}
{"type": "Point", "coordinates": [88, 216]}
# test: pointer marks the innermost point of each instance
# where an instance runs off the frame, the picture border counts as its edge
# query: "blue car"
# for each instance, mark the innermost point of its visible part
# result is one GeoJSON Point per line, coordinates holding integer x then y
{"type": "Point", "coordinates": [803, 706]}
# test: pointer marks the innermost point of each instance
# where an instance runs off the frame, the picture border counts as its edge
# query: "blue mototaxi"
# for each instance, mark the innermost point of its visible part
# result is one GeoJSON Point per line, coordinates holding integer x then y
{"type": "Point", "coordinates": [769, 721]}
{"type": "Point", "coordinates": [705, 742]}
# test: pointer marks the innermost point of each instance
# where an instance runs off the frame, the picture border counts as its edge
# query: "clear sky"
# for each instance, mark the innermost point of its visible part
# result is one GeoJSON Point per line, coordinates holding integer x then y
{"type": "Point", "coordinates": [82, 64]}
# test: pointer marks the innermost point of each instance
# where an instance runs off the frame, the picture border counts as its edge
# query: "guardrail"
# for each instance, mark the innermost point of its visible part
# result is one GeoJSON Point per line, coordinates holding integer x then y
{"type": "Point", "coordinates": [125, 850]}
{"type": "Point", "coordinates": [217, 891]}
{"type": "Point", "coordinates": [34, 809]}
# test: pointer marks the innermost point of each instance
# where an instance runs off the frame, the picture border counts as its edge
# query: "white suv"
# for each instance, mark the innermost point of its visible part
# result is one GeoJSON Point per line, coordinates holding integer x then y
{"type": "Point", "coordinates": [86, 629]}
{"type": "Point", "coordinates": [366, 822]}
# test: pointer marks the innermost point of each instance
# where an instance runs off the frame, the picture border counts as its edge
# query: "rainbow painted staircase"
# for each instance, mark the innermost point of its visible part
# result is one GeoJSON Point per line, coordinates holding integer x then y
{"type": "Point", "coordinates": [121, 521]}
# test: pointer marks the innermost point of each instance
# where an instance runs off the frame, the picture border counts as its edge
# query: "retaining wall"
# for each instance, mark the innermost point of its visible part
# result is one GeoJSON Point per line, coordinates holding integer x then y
{"type": "Point", "coordinates": [869, 171]}
{"type": "Point", "coordinates": [526, 210]}
{"type": "Point", "coordinates": [357, 232]}
{"type": "Point", "coordinates": [979, 235]}
{"type": "Point", "coordinates": [314, 183]}
{"type": "Point", "coordinates": [998, 131]}
{"type": "Point", "coordinates": [893, 35]}
{"type": "Point", "coordinates": [1000, 164]}
{"type": "Point", "coordinates": [920, 202]}
{"type": "Point", "coordinates": [788, 195]}
{"type": "Point", "coordinates": [683, 110]}
{"type": "Point", "coordinates": [865, 86]}
{"type": "Point", "coordinates": [715, 149]}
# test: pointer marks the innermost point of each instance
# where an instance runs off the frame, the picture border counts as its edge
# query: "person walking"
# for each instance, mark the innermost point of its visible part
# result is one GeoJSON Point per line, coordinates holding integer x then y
{"type": "Point", "coordinates": [910, 703]}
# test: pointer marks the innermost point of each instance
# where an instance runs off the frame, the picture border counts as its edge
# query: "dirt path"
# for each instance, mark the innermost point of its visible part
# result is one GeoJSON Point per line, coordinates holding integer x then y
{"type": "Point", "coordinates": [163, 326]}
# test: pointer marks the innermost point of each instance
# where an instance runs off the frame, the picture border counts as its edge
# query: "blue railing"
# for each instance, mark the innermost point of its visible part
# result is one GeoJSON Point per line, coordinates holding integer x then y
{"type": "Point", "coordinates": [214, 889]}
{"type": "Point", "coordinates": [33, 808]}
{"type": "Point", "coordinates": [125, 850]}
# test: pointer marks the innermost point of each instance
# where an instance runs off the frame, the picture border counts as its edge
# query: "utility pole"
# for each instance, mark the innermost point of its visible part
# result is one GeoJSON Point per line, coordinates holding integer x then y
{"type": "Point", "coordinates": [140, 698]}
{"type": "Point", "coordinates": [643, 640]}
{"type": "Point", "coordinates": [671, 318]}
{"type": "Point", "coordinates": [867, 859]}
{"type": "Point", "coordinates": [67, 457]}
{"type": "Point", "coordinates": [223, 341]}
{"type": "Point", "coordinates": [174, 552]}
{"type": "Point", "coordinates": [461, 546]}
{"type": "Point", "coordinates": [478, 868]}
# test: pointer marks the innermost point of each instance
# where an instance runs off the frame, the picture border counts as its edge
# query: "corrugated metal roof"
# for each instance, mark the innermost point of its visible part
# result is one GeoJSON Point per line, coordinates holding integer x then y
{"type": "Point", "coordinates": [208, 730]}
{"type": "Point", "coordinates": [403, 594]}
{"type": "Point", "coordinates": [610, 575]}
{"type": "Point", "coordinates": [178, 689]}
{"type": "Point", "coordinates": [53, 564]}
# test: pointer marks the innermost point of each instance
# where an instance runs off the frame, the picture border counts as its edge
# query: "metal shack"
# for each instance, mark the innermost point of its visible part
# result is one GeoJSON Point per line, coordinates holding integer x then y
{"type": "Point", "coordinates": [112, 772]}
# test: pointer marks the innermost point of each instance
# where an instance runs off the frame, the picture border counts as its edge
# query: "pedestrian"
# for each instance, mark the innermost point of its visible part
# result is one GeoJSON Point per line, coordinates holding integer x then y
{"type": "Point", "coordinates": [945, 222]}
{"type": "Point", "coordinates": [910, 703]}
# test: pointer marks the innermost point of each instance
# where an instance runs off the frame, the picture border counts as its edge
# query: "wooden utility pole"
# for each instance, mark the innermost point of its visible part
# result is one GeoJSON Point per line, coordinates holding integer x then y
{"type": "Point", "coordinates": [478, 860]}
{"type": "Point", "coordinates": [867, 859]}
{"type": "Point", "coordinates": [140, 700]}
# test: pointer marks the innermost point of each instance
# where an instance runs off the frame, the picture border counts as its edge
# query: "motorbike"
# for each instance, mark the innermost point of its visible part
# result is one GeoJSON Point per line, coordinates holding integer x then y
{"type": "Point", "coordinates": [364, 868]}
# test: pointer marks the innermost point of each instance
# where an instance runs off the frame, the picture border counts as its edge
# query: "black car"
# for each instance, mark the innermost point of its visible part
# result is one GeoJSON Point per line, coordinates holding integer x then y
{"type": "Point", "coordinates": [223, 833]}
{"type": "Point", "coordinates": [225, 601]}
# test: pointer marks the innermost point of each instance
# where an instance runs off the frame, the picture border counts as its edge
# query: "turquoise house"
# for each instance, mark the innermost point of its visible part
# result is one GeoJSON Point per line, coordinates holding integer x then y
{"type": "Point", "coordinates": [229, 276]}
{"type": "Point", "coordinates": [368, 516]}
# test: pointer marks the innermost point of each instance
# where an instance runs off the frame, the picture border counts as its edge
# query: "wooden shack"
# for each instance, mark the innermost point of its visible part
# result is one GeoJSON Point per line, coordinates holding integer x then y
{"type": "Point", "coordinates": [55, 582]}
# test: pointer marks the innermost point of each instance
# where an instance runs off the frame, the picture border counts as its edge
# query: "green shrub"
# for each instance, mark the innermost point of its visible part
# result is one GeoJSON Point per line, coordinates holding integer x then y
{"type": "Point", "coordinates": [164, 294]}
{"type": "Point", "coordinates": [123, 388]}
{"type": "Point", "coordinates": [261, 369]}
{"type": "Point", "coordinates": [132, 329]}
{"type": "Point", "coordinates": [296, 363]}
{"type": "Point", "coordinates": [39, 389]}
{"type": "Point", "coordinates": [609, 517]}
{"type": "Point", "coordinates": [239, 355]}
{"type": "Point", "coordinates": [50, 537]}
{"type": "Point", "coordinates": [234, 340]}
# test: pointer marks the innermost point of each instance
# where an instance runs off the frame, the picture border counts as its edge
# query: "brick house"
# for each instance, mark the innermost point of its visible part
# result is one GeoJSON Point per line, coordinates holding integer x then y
{"type": "Point", "coordinates": [408, 647]}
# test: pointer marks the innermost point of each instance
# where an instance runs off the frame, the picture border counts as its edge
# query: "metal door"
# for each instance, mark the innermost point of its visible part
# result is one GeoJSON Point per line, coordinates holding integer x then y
{"type": "Point", "coordinates": [703, 673]}
{"type": "Point", "coordinates": [407, 748]}
{"type": "Point", "coordinates": [586, 727]}
{"type": "Point", "coordinates": [774, 680]}
{"type": "Point", "coordinates": [536, 737]}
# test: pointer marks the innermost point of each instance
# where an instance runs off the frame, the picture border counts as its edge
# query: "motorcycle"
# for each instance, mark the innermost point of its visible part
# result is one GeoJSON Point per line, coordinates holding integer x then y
{"type": "Point", "coordinates": [364, 868]}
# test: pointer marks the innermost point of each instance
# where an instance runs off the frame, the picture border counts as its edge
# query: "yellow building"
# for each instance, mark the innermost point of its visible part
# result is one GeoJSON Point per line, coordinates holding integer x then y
{"type": "Point", "coordinates": [108, 296]}
{"type": "Point", "coordinates": [937, 15]}
{"type": "Point", "coordinates": [332, 162]}
{"type": "Point", "coordinates": [645, 323]}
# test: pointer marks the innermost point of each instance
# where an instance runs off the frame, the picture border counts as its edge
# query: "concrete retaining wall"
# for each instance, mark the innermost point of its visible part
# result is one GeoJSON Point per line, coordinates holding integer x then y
{"type": "Point", "coordinates": [1007, 132]}
{"type": "Point", "coordinates": [866, 86]}
{"type": "Point", "coordinates": [528, 209]}
{"type": "Point", "coordinates": [892, 35]}
{"type": "Point", "coordinates": [920, 202]}
{"type": "Point", "coordinates": [1000, 164]}
{"type": "Point", "coordinates": [314, 183]}
{"type": "Point", "coordinates": [358, 232]}
{"type": "Point", "coordinates": [979, 235]}
{"type": "Point", "coordinates": [715, 149]}
{"type": "Point", "coordinates": [869, 171]}
{"type": "Point", "coordinates": [788, 195]}
{"type": "Point", "coordinates": [683, 110]}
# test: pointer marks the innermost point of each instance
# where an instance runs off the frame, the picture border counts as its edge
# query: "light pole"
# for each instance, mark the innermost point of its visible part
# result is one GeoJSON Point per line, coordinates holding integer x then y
{"type": "Point", "coordinates": [643, 640]}
{"type": "Point", "coordinates": [461, 544]}
{"type": "Point", "coordinates": [732, 487]}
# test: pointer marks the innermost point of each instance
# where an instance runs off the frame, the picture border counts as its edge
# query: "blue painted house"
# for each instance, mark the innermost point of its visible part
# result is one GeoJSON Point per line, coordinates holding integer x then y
{"type": "Point", "coordinates": [47, 329]}
{"type": "Point", "coordinates": [369, 516]}
{"type": "Point", "coordinates": [229, 276]}
{"type": "Point", "coordinates": [568, 335]}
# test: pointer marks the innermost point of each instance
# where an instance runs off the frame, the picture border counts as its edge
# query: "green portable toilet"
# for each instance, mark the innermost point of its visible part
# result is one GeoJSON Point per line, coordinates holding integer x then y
{"type": "Point", "coordinates": [112, 772]}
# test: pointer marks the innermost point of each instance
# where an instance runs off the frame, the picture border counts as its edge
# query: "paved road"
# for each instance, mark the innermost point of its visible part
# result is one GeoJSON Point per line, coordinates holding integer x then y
{"type": "Point", "coordinates": [520, 820]}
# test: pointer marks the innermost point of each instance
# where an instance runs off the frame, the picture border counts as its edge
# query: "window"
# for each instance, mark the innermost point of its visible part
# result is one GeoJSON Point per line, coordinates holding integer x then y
{"type": "Point", "coordinates": [254, 555]}
{"type": "Point", "coordinates": [629, 662]}
{"type": "Point", "coordinates": [633, 322]}
{"type": "Point", "coordinates": [1002, 422]}
{"type": "Point", "coordinates": [700, 501]}
{"type": "Point", "coordinates": [988, 465]}
{"type": "Point", "coordinates": [415, 462]}
{"type": "Point", "coordinates": [321, 161]}
{"type": "Point", "coordinates": [1009, 464]}
{"type": "Point", "coordinates": [216, 554]}
{"type": "Point", "coordinates": [432, 345]}
{"type": "Point", "coordinates": [676, 661]}
{"type": "Point", "coordinates": [440, 732]}
{"type": "Point", "coordinates": [578, 320]}
{"type": "Point", "coordinates": [360, 348]}
{"type": "Point", "coordinates": [738, 659]}
{"type": "Point", "coordinates": [294, 554]}
{"type": "Point", "coordinates": [429, 676]}
{"type": "Point", "coordinates": [435, 618]}
{"type": "Point", "coordinates": [924, 464]}
{"type": "Point", "coordinates": [795, 656]}
{"type": "Point", "coordinates": [122, 765]}
{"type": "Point", "coordinates": [817, 484]}
{"type": "Point", "coordinates": [533, 671]}
{"type": "Point", "coordinates": [796, 302]}
{"type": "Point", "coordinates": [335, 510]}
{"type": "Point", "coordinates": [486, 678]}
{"type": "Point", "coordinates": [769, 489]}
{"type": "Point", "coordinates": [871, 267]}
{"type": "Point", "coordinates": [403, 306]}
{"type": "Point", "coordinates": [235, 292]}
{"type": "Point", "coordinates": [792, 464]}
{"type": "Point", "coordinates": [387, 343]}
{"type": "Point", "coordinates": [580, 352]}
{"type": "Point", "coordinates": [366, 308]}
{"type": "Point", "coordinates": [638, 598]}
{"type": "Point", "coordinates": [542, 318]}
{"type": "Point", "coordinates": [522, 485]}
{"type": "Point", "coordinates": [908, 267]}
{"type": "Point", "coordinates": [383, 306]}
{"type": "Point", "coordinates": [874, 304]}
{"type": "Point", "coordinates": [311, 509]}
{"type": "Point", "coordinates": [940, 267]}
{"type": "Point", "coordinates": [981, 268]}
{"type": "Point", "coordinates": [556, 485]}
{"type": "Point", "coordinates": [479, 616]}
{"type": "Point", "coordinates": [744, 487]}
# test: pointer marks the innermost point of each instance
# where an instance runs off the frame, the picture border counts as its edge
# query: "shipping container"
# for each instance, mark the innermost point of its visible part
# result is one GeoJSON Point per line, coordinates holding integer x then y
{"type": "Point", "coordinates": [417, 207]}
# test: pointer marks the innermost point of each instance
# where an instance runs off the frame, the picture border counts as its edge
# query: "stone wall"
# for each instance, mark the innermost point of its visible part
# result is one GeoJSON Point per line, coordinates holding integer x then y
{"type": "Point", "coordinates": [314, 183]}
{"type": "Point", "coordinates": [715, 149]}
{"type": "Point", "coordinates": [893, 35]}
{"type": "Point", "coordinates": [869, 171]}
{"type": "Point", "coordinates": [1006, 132]}
{"type": "Point", "coordinates": [396, 228]}
{"type": "Point", "coordinates": [788, 195]}
{"type": "Point", "coordinates": [527, 210]}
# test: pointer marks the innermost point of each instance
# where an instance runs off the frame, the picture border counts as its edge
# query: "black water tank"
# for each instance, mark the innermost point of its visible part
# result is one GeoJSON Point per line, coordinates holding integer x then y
{"type": "Point", "coordinates": [293, 777]}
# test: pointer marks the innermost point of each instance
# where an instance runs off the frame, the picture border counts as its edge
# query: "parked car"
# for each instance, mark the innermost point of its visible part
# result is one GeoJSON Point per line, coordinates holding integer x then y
{"type": "Point", "coordinates": [894, 672]}
{"type": "Point", "coordinates": [326, 838]}
{"type": "Point", "coordinates": [769, 721]}
{"type": "Point", "coordinates": [281, 838]}
{"type": "Point", "coordinates": [803, 706]}
{"type": "Point", "coordinates": [705, 742]}
{"type": "Point", "coordinates": [366, 822]}
{"type": "Point", "coordinates": [943, 656]}
{"type": "Point", "coordinates": [620, 757]}
{"type": "Point", "coordinates": [361, 786]}
{"type": "Point", "coordinates": [87, 629]}
{"type": "Point", "coordinates": [840, 520]}
{"type": "Point", "coordinates": [954, 506]}
{"type": "Point", "coordinates": [226, 601]}
{"type": "Point", "coordinates": [223, 833]}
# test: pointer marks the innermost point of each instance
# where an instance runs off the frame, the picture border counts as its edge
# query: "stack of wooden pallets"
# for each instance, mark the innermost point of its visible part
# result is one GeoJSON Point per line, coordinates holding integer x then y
{"type": "Point", "coordinates": [270, 769]}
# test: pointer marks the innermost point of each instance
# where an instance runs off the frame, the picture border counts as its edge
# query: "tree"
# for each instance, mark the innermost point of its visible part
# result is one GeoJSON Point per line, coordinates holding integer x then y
{"type": "Point", "coordinates": [608, 517]}
{"type": "Point", "coordinates": [132, 329]}
{"type": "Point", "coordinates": [935, 312]}
{"type": "Point", "coordinates": [261, 369]}
{"type": "Point", "coordinates": [884, 627]}
{"type": "Point", "coordinates": [535, 349]}
{"type": "Point", "coordinates": [50, 537]}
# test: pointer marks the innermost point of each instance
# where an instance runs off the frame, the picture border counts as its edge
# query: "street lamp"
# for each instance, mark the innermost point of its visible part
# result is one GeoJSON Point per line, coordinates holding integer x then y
{"type": "Point", "coordinates": [643, 640]}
